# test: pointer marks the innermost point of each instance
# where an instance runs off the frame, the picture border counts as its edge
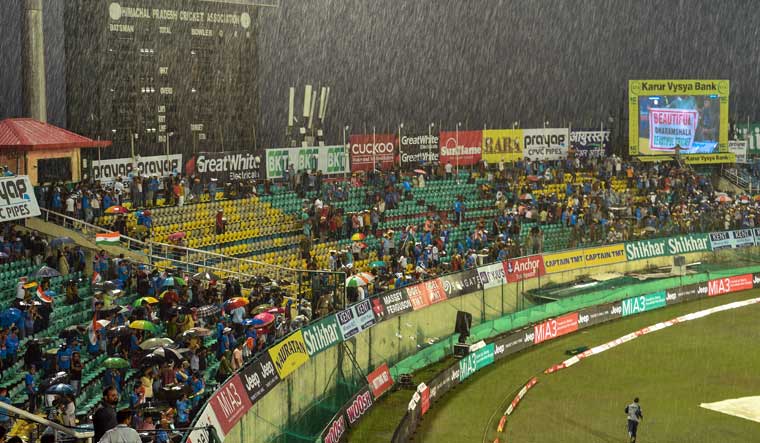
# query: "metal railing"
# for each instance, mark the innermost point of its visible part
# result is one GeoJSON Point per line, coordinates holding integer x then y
{"type": "Point", "coordinates": [85, 228]}
{"type": "Point", "coordinates": [77, 433]}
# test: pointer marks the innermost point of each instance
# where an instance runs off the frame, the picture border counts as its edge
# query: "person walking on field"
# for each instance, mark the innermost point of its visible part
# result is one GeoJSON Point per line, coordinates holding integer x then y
{"type": "Point", "coordinates": [635, 416]}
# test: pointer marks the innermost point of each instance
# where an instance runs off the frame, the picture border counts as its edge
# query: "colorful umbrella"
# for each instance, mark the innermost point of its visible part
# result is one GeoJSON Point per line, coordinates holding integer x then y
{"type": "Point", "coordinates": [532, 178]}
{"type": "Point", "coordinates": [526, 196]}
{"type": "Point", "coordinates": [354, 281]}
{"type": "Point", "coordinates": [420, 171]}
{"type": "Point", "coordinates": [149, 300]}
{"type": "Point", "coordinates": [377, 264]}
{"type": "Point", "coordinates": [177, 235]}
{"type": "Point", "coordinates": [723, 199]}
{"type": "Point", "coordinates": [117, 210]}
{"type": "Point", "coordinates": [261, 308]}
{"type": "Point", "coordinates": [144, 325]}
{"type": "Point", "coordinates": [156, 342]}
{"type": "Point", "coordinates": [235, 302]}
{"type": "Point", "coordinates": [358, 236]}
{"type": "Point", "coordinates": [208, 311]}
{"type": "Point", "coordinates": [263, 319]}
{"type": "Point", "coordinates": [10, 316]}
{"type": "Point", "coordinates": [116, 363]}
{"type": "Point", "coordinates": [275, 311]}
{"type": "Point", "coordinates": [166, 354]}
{"type": "Point", "coordinates": [30, 285]}
{"type": "Point", "coordinates": [174, 281]}
{"type": "Point", "coordinates": [366, 276]}
{"type": "Point", "coordinates": [102, 322]}
{"type": "Point", "coordinates": [46, 296]}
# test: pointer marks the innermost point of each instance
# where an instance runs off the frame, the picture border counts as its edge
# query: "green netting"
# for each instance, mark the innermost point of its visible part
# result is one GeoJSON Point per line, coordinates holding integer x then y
{"type": "Point", "coordinates": [537, 313]}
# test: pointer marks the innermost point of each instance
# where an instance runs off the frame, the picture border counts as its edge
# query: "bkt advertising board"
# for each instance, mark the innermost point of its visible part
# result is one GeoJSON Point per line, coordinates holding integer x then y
{"type": "Point", "coordinates": [328, 159]}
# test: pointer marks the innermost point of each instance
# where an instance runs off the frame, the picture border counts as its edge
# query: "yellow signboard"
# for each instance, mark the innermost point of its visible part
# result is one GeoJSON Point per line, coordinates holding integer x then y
{"type": "Point", "coordinates": [289, 354]}
{"type": "Point", "coordinates": [690, 114]}
{"type": "Point", "coordinates": [564, 261]}
{"type": "Point", "coordinates": [502, 144]}
{"type": "Point", "coordinates": [604, 255]}
{"type": "Point", "coordinates": [704, 159]}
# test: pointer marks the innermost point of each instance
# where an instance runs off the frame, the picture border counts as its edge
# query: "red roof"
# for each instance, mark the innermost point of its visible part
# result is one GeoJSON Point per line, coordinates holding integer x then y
{"type": "Point", "coordinates": [28, 134]}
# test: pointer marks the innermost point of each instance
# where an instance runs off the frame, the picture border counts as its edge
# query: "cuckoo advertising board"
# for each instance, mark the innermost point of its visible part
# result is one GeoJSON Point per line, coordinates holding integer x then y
{"type": "Point", "coordinates": [391, 304]}
{"type": "Point", "coordinates": [546, 143]}
{"type": "Point", "coordinates": [259, 377]}
{"type": "Point", "coordinates": [368, 149]}
{"type": "Point", "coordinates": [416, 149]}
{"type": "Point", "coordinates": [328, 159]}
{"type": "Point", "coordinates": [461, 148]}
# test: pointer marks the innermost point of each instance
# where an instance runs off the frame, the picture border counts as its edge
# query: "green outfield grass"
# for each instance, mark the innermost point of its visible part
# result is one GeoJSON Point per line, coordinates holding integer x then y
{"type": "Point", "coordinates": [672, 371]}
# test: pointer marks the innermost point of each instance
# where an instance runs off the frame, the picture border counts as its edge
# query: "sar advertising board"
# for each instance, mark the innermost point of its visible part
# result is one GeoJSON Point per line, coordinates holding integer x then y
{"type": "Point", "coordinates": [689, 114]}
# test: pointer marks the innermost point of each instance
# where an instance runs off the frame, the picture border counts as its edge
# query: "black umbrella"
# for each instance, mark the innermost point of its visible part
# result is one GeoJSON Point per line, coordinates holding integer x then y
{"type": "Point", "coordinates": [46, 272]}
{"type": "Point", "coordinates": [69, 332]}
{"type": "Point", "coordinates": [172, 393]}
{"type": "Point", "coordinates": [160, 355]}
{"type": "Point", "coordinates": [105, 286]}
{"type": "Point", "coordinates": [58, 378]}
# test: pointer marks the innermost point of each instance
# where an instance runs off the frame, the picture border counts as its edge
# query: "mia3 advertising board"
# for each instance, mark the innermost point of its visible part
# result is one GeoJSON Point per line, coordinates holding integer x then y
{"type": "Point", "coordinates": [690, 114]}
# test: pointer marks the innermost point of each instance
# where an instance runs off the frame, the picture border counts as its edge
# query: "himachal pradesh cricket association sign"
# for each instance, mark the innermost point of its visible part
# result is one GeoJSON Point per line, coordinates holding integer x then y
{"type": "Point", "coordinates": [17, 198]}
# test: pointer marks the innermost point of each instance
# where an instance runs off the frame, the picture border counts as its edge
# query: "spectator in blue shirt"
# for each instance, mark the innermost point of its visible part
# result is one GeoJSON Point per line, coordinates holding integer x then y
{"type": "Point", "coordinates": [183, 412]}
{"type": "Point", "coordinates": [5, 419]}
{"type": "Point", "coordinates": [11, 346]}
{"type": "Point", "coordinates": [31, 389]}
{"type": "Point", "coordinates": [64, 358]}
{"type": "Point", "coordinates": [198, 386]}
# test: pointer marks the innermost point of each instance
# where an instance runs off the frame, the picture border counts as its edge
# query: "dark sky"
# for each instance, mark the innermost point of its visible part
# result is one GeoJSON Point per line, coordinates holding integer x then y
{"type": "Point", "coordinates": [480, 62]}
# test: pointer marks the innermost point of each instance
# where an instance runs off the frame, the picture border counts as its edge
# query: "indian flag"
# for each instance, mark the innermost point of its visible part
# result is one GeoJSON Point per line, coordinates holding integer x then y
{"type": "Point", "coordinates": [110, 238]}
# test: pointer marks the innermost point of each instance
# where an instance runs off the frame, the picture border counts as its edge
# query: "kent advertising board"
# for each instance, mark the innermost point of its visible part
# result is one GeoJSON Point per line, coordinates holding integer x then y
{"type": "Point", "coordinates": [586, 144]}
{"type": "Point", "coordinates": [330, 160]}
{"type": "Point", "coordinates": [225, 166]}
{"type": "Point", "coordinates": [689, 114]}
{"type": "Point", "coordinates": [355, 319]}
{"type": "Point", "coordinates": [461, 148]}
{"type": "Point", "coordinates": [417, 149]}
{"type": "Point", "coordinates": [106, 171]}
{"type": "Point", "coordinates": [17, 199]}
{"type": "Point", "coordinates": [368, 149]}
{"type": "Point", "coordinates": [492, 275]}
